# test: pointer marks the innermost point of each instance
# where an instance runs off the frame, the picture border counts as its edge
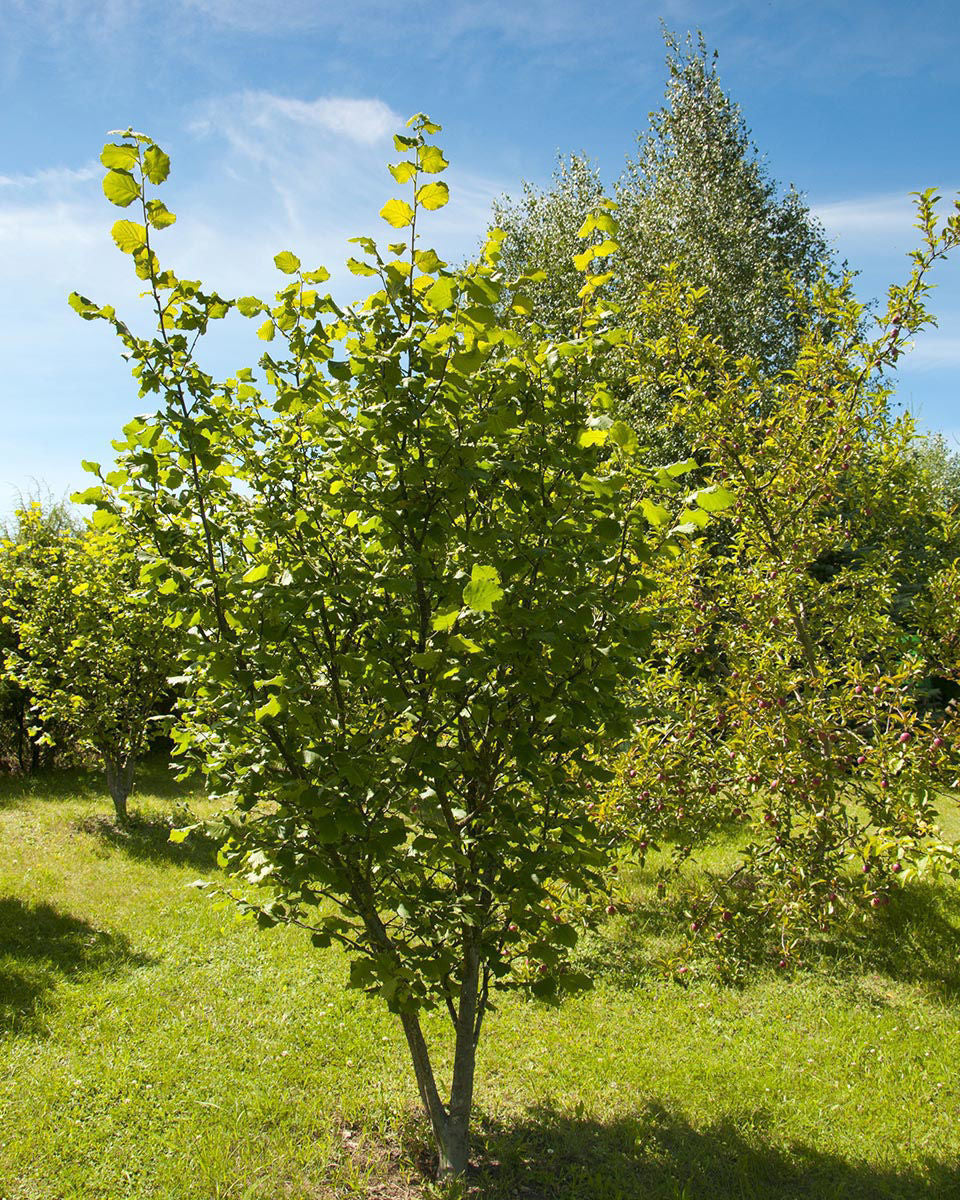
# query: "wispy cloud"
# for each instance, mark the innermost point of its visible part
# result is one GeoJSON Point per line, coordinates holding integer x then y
{"type": "Point", "coordinates": [366, 121]}
{"type": "Point", "coordinates": [866, 216]}
{"type": "Point", "coordinates": [50, 177]}
{"type": "Point", "coordinates": [312, 173]}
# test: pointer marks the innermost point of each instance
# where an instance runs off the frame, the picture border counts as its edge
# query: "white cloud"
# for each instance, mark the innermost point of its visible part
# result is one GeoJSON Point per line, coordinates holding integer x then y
{"type": "Point", "coordinates": [49, 177]}
{"type": "Point", "coordinates": [365, 121]}
{"type": "Point", "coordinates": [274, 173]}
{"type": "Point", "coordinates": [866, 216]}
{"type": "Point", "coordinates": [309, 174]}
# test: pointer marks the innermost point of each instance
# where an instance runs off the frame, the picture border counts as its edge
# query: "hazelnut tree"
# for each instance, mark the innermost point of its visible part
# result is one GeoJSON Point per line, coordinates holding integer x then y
{"type": "Point", "coordinates": [406, 563]}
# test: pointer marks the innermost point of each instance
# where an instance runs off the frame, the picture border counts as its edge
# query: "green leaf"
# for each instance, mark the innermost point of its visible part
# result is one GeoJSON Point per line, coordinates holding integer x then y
{"type": "Point", "coordinates": [681, 468]}
{"type": "Point", "coordinates": [255, 574]}
{"type": "Point", "coordinates": [428, 261]}
{"type": "Point", "coordinates": [397, 213]}
{"type": "Point", "coordinates": [440, 295]}
{"type": "Point", "coordinates": [118, 158]}
{"type": "Point", "coordinates": [270, 709]}
{"type": "Point", "coordinates": [431, 159]}
{"type": "Point", "coordinates": [120, 188]}
{"type": "Point", "coordinates": [356, 267]}
{"type": "Point", "coordinates": [458, 642]}
{"type": "Point", "coordinates": [624, 437]}
{"type": "Point", "coordinates": [656, 514]}
{"type": "Point", "coordinates": [593, 437]}
{"type": "Point", "coordinates": [446, 621]}
{"type": "Point", "coordinates": [714, 499]}
{"type": "Point", "coordinates": [402, 172]}
{"type": "Point", "coordinates": [426, 659]}
{"type": "Point", "coordinates": [484, 590]}
{"type": "Point", "coordinates": [286, 262]}
{"type": "Point", "coordinates": [694, 516]}
{"type": "Point", "coordinates": [129, 236]}
{"type": "Point", "coordinates": [159, 216]}
{"type": "Point", "coordinates": [266, 331]}
{"type": "Point", "coordinates": [433, 195]}
{"type": "Point", "coordinates": [422, 122]}
{"type": "Point", "coordinates": [156, 164]}
{"type": "Point", "coordinates": [250, 306]}
{"type": "Point", "coordinates": [605, 248]}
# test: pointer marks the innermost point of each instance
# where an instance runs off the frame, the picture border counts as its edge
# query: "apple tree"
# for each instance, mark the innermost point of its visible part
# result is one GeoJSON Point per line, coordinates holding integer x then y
{"type": "Point", "coordinates": [788, 691]}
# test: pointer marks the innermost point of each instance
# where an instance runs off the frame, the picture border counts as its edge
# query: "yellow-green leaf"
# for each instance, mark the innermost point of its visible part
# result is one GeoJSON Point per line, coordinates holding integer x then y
{"type": "Point", "coordinates": [433, 195]}
{"type": "Point", "coordinates": [431, 159]}
{"type": "Point", "coordinates": [271, 709]}
{"type": "Point", "coordinates": [249, 306]}
{"type": "Point", "coordinates": [441, 294]}
{"type": "Point", "coordinates": [397, 213]}
{"type": "Point", "coordinates": [714, 499]}
{"type": "Point", "coordinates": [159, 215]}
{"type": "Point", "coordinates": [656, 514]}
{"type": "Point", "coordinates": [286, 262]}
{"type": "Point", "coordinates": [128, 235]}
{"type": "Point", "coordinates": [359, 268]}
{"type": "Point", "coordinates": [402, 172]}
{"type": "Point", "coordinates": [266, 331]}
{"type": "Point", "coordinates": [120, 188]}
{"type": "Point", "coordinates": [446, 621]}
{"type": "Point", "coordinates": [120, 158]}
{"type": "Point", "coordinates": [484, 590]}
{"type": "Point", "coordinates": [156, 164]}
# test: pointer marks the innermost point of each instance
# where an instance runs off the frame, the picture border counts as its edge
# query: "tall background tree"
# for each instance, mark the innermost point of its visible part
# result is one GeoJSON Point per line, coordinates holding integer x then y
{"type": "Point", "coordinates": [695, 194]}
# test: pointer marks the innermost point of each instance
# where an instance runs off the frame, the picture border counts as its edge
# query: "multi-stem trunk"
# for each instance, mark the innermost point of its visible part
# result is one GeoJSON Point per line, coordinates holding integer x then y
{"type": "Point", "coordinates": [451, 1123]}
{"type": "Point", "coordinates": [119, 770]}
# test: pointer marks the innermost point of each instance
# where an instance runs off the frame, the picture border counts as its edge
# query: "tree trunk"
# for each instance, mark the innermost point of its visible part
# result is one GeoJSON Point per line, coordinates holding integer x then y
{"type": "Point", "coordinates": [120, 783]}
{"type": "Point", "coordinates": [450, 1125]}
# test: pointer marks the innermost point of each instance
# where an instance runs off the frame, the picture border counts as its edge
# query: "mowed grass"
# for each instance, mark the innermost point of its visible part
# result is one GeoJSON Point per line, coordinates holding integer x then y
{"type": "Point", "coordinates": [153, 1045]}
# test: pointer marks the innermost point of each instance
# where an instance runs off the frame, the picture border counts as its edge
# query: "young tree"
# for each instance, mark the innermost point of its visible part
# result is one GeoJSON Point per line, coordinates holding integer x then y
{"type": "Point", "coordinates": [92, 653]}
{"type": "Point", "coordinates": [407, 567]}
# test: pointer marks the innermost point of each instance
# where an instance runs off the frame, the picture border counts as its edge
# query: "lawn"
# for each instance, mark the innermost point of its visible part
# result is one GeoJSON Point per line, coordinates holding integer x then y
{"type": "Point", "coordinates": [154, 1045]}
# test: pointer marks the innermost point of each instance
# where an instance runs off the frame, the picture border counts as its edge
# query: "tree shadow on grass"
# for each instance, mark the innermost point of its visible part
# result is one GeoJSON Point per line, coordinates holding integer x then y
{"type": "Point", "coordinates": [59, 784]}
{"type": "Point", "coordinates": [54, 784]}
{"type": "Point", "coordinates": [659, 1155]}
{"type": "Point", "coordinates": [40, 948]}
{"type": "Point", "coordinates": [148, 839]}
{"type": "Point", "coordinates": [914, 940]}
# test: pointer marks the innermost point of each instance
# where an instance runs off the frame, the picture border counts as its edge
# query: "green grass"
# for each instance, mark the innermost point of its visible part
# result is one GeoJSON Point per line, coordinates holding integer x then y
{"type": "Point", "coordinates": [155, 1046]}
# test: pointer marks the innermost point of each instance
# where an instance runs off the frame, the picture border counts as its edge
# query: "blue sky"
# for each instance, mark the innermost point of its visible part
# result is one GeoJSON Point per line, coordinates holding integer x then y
{"type": "Point", "coordinates": [278, 122]}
